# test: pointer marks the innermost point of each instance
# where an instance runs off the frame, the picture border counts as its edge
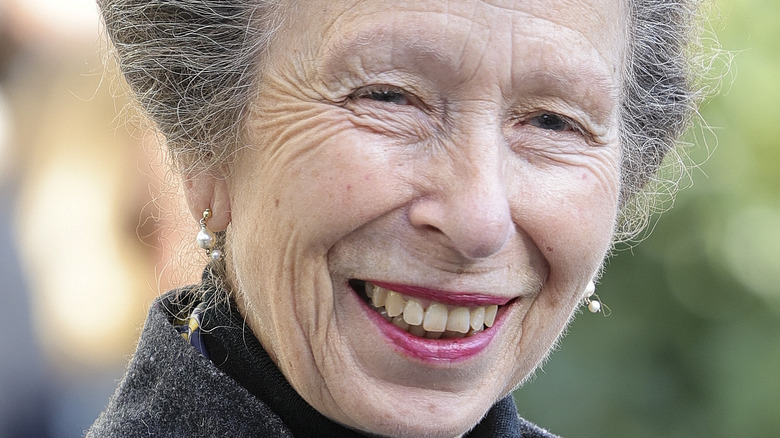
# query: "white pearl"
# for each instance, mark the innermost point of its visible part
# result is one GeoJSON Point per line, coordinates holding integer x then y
{"type": "Point", "coordinates": [205, 238]}
{"type": "Point", "coordinates": [594, 306]}
{"type": "Point", "coordinates": [216, 255]}
{"type": "Point", "coordinates": [590, 289]}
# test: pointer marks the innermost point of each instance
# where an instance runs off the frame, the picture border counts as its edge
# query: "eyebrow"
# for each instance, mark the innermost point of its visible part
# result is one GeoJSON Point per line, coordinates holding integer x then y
{"type": "Point", "coordinates": [583, 83]}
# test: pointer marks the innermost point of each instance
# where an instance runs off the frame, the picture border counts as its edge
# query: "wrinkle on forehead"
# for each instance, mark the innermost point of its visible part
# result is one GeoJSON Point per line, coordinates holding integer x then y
{"type": "Point", "coordinates": [592, 21]}
{"type": "Point", "coordinates": [587, 11]}
{"type": "Point", "coordinates": [517, 51]}
{"type": "Point", "coordinates": [582, 16]}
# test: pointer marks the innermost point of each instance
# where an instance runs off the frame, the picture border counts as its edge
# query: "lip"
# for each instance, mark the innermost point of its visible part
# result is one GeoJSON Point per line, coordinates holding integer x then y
{"type": "Point", "coordinates": [465, 299]}
{"type": "Point", "coordinates": [433, 351]}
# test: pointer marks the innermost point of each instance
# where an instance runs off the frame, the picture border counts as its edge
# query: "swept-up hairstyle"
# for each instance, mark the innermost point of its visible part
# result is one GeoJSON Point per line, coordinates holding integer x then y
{"type": "Point", "coordinates": [193, 65]}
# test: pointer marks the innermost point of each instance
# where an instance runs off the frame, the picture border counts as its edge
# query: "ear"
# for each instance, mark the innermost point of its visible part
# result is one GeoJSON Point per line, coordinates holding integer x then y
{"type": "Point", "coordinates": [205, 190]}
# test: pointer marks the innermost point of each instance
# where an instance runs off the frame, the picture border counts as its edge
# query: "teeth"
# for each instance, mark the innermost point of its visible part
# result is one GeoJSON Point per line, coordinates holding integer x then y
{"type": "Point", "coordinates": [394, 304]}
{"type": "Point", "coordinates": [400, 323]}
{"type": "Point", "coordinates": [490, 315]}
{"type": "Point", "coordinates": [379, 296]}
{"type": "Point", "coordinates": [434, 322]}
{"type": "Point", "coordinates": [477, 318]}
{"type": "Point", "coordinates": [458, 320]}
{"type": "Point", "coordinates": [413, 313]}
{"type": "Point", "coordinates": [449, 334]}
{"type": "Point", "coordinates": [417, 330]}
{"type": "Point", "coordinates": [435, 318]}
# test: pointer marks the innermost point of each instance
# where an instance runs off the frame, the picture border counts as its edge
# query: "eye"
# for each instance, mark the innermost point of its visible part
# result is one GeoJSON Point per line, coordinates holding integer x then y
{"type": "Point", "coordinates": [551, 122]}
{"type": "Point", "coordinates": [390, 95]}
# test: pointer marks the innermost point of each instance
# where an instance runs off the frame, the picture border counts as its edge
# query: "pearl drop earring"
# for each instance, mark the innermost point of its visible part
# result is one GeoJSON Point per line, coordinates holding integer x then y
{"type": "Point", "coordinates": [591, 299]}
{"type": "Point", "coordinates": [206, 239]}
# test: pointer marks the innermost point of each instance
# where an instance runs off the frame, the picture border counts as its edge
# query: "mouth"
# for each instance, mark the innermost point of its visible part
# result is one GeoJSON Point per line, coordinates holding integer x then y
{"type": "Point", "coordinates": [428, 318]}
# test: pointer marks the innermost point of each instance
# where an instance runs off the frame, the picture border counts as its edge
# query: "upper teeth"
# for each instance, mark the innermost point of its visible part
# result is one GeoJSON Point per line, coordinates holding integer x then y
{"type": "Point", "coordinates": [435, 320]}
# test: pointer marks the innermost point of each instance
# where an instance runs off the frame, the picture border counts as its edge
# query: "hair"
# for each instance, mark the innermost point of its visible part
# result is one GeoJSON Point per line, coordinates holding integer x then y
{"type": "Point", "coordinates": [194, 66]}
{"type": "Point", "coordinates": [663, 84]}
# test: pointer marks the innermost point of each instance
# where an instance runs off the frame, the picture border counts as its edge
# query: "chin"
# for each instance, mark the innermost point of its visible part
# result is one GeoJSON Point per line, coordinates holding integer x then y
{"type": "Point", "coordinates": [401, 385]}
{"type": "Point", "coordinates": [423, 417]}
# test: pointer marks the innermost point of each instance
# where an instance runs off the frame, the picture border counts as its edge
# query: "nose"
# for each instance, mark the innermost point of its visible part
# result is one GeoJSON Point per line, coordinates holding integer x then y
{"type": "Point", "coordinates": [469, 212]}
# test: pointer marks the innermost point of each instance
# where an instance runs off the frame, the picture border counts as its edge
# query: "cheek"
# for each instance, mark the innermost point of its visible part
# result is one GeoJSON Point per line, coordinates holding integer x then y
{"type": "Point", "coordinates": [320, 178]}
{"type": "Point", "coordinates": [571, 219]}
{"type": "Point", "coordinates": [570, 212]}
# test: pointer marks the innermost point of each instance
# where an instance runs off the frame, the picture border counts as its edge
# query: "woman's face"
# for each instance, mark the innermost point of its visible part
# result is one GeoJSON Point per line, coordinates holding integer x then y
{"type": "Point", "coordinates": [463, 154]}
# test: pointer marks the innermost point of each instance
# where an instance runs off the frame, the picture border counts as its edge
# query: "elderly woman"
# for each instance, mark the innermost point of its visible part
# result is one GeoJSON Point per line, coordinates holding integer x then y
{"type": "Point", "coordinates": [403, 203]}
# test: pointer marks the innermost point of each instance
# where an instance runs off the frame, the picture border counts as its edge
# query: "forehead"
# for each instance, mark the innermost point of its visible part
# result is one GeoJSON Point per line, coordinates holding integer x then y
{"type": "Point", "coordinates": [601, 22]}
{"type": "Point", "coordinates": [599, 25]}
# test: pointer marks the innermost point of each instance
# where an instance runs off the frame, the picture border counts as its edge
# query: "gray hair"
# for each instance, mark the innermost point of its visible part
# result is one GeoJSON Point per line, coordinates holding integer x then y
{"type": "Point", "coordinates": [193, 65]}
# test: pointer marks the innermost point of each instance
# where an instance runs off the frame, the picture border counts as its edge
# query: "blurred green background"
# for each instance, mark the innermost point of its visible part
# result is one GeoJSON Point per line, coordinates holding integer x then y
{"type": "Point", "coordinates": [692, 346]}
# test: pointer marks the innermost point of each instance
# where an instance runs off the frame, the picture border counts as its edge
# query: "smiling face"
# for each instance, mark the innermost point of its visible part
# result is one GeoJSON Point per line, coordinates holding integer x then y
{"type": "Point", "coordinates": [439, 162]}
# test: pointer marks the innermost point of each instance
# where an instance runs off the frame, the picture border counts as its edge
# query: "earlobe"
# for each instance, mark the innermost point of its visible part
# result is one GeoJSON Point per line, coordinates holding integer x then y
{"type": "Point", "coordinates": [204, 190]}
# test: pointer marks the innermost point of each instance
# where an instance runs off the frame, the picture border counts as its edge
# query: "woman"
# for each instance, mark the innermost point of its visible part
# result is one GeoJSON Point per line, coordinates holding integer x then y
{"type": "Point", "coordinates": [410, 200]}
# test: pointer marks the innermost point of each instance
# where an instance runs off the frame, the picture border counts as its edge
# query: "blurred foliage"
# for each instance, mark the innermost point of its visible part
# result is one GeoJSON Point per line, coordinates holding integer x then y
{"type": "Point", "coordinates": [692, 347]}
